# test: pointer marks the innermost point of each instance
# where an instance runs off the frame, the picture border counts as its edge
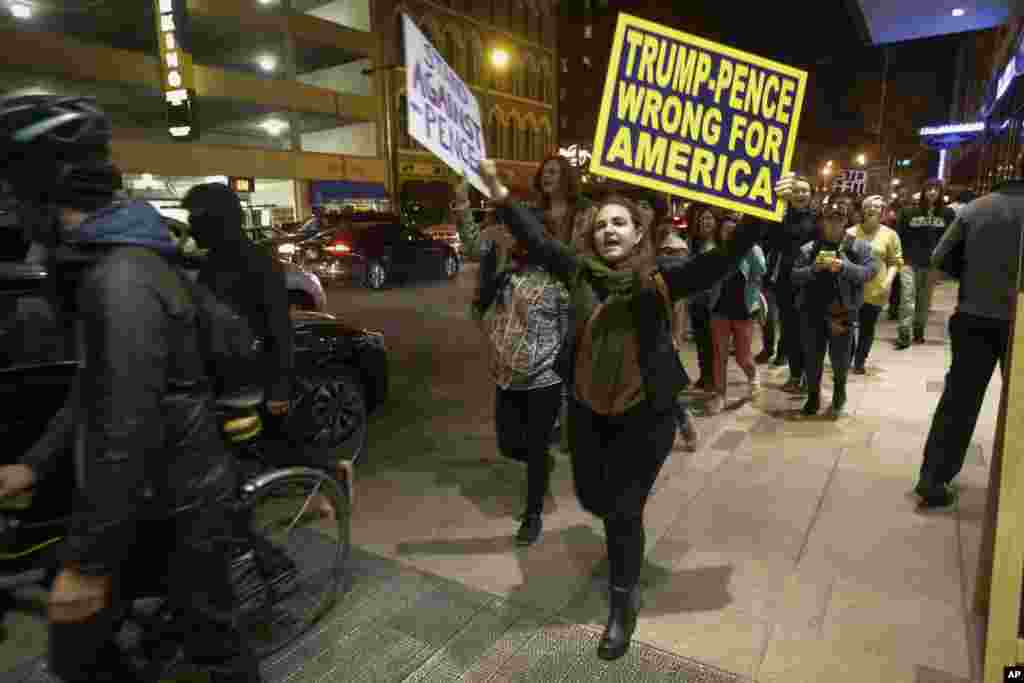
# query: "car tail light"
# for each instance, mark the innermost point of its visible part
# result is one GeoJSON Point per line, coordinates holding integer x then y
{"type": "Point", "coordinates": [338, 248]}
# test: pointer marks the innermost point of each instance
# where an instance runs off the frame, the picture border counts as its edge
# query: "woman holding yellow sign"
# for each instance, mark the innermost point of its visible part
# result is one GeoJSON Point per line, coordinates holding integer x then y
{"type": "Point", "coordinates": [621, 368]}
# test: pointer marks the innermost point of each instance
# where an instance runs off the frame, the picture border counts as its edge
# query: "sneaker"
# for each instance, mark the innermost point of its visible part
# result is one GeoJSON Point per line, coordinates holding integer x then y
{"type": "Point", "coordinates": [754, 382]}
{"type": "Point", "coordinates": [838, 407]}
{"type": "Point", "coordinates": [793, 386]}
{"type": "Point", "coordinates": [715, 405]}
{"type": "Point", "coordinates": [690, 436]}
{"type": "Point", "coordinates": [945, 498]}
{"type": "Point", "coordinates": [763, 357]}
{"type": "Point", "coordinates": [529, 530]}
{"type": "Point", "coordinates": [919, 338]}
{"type": "Point", "coordinates": [859, 370]}
{"type": "Point", "coordinates": [812, 406]}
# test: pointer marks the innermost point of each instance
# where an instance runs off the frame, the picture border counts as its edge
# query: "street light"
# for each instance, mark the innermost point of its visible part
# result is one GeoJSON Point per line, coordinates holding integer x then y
{"type": "Point", "coordinates": [862, 159]}
{"type": "Point", "coordinates": [499, 58]}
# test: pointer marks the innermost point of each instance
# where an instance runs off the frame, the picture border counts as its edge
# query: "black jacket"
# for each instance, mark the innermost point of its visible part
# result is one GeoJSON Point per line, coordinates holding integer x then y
{"type": "Point", "coordinates": [782, 246]}
{"type": "Point", "coordinates": [920, 230]}
{"type": "Point", "coordinates": [860, 265]}
{"type": "Point", "coordinates": [139, 415]}
{"type": "Point", "coordinates": [248, 279]}
{"type": "Point", "coordinates": [683, 276]}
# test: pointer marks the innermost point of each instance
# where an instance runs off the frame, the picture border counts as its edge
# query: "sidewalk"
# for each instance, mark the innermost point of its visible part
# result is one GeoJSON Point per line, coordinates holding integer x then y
{"type": "Point", "coordinates": [782, 551]}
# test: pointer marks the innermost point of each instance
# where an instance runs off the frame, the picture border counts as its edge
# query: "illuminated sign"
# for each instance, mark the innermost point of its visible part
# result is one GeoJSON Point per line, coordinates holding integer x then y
{"type": "Point", "coordinates": [242, 185]}
{"type": "Point", "coordinates": [954, 128]}
{"type": "Point", "coordinates": [176, 70]}
{"type": "Point", "coordinates": [576, 154]}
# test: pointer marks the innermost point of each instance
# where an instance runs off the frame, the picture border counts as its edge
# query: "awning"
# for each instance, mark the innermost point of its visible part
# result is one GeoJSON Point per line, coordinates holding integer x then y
{"type": "Point", "coordinates": [324, 191]}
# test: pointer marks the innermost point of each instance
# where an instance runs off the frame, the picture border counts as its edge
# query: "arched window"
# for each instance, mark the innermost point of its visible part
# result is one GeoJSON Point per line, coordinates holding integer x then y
{"type": "Point", "coordinates": [510, 136]}
{"type": "Point", "coordinates": [545, 141]}
{"type": "Point", "coordinates": [472, 50]}
{"type": "Point", "coordinates": [404, 139]}
{"type": "Point", "coordinates": [494, 137]}
{"type": "Point", "coordinates": [526, 148]}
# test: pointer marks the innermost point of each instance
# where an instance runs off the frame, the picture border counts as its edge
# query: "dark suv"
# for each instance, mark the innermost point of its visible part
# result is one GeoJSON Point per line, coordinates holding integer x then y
{"type": "Point", "coordinates": [374, 250]}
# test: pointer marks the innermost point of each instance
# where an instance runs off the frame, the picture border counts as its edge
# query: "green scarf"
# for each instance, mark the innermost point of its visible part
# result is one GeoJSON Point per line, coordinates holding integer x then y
{"type": "Point", "coordinates": [611, 330]}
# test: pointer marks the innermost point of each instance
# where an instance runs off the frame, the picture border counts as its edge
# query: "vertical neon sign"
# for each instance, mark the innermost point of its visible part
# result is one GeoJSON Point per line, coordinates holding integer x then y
{"type": "Point", "coordinates": [176, 70]}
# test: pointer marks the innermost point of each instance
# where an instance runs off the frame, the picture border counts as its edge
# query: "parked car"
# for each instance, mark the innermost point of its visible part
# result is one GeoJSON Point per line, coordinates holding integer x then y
{"type": "Point", "coordinates": [341, 371]}
{"type": "Point", "coordinates": [377, 253]}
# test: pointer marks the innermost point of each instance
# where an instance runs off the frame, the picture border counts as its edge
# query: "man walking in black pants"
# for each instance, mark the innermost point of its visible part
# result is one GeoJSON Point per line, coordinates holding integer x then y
{"type": "Point", "coordinates": [798, 228]}
{"type": "Point", "coordinates": [979, 330]}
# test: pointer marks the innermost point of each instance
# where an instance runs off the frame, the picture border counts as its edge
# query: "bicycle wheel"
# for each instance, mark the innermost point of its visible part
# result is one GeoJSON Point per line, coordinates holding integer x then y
{"type": "Point", "coordinates": [295, 562]}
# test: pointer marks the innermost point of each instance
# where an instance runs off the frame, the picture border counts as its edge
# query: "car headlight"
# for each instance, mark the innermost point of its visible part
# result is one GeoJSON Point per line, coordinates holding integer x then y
{"type": "Point", "coordinates": [287, 249]}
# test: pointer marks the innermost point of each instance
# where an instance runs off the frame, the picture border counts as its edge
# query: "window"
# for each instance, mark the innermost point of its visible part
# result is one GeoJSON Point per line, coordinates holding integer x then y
{"type": "Point", "coordinates": [528, 151]}
{"type": "Point", "coordinates": [494, 137]}
{"type": "Point", "coordinates": [561, 95]}
{"type": "Point", "coordinates": [404, 139]}
{"type": "Point", "coordinates": [588, 31]}
{"type": "Point", "coordinates": [512, 132]}
{"type": "Point", "coordinates": [565, 122]}
{"type": "Point", "coordinates": [565, 65]}
{"type": "Point", "coordinates": [471, 66]}
{"type": "Point", "coordinates": [586, 61]}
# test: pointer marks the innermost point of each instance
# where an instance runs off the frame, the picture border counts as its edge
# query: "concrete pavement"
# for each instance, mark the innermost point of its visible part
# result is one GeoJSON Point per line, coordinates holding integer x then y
{"type": "Point", "coordinates": [782, 550]}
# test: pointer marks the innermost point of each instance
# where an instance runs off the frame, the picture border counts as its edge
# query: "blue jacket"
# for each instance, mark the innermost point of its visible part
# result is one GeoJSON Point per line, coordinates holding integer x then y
{"type": "Point", "coordinates": [753, 269]}
{"type": "Point", "coordinates": [860, 266]}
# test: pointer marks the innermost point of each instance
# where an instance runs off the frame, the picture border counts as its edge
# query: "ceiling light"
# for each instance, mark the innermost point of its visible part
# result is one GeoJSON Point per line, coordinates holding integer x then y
{"type": "Point", "coordinates": [267, 62]}
{"type": "Point", "coordinates": [274, 126]}
{"type": "Point", "coordinates": [958, 12]}
{"type": "Point", "coordinates": [21, 11]}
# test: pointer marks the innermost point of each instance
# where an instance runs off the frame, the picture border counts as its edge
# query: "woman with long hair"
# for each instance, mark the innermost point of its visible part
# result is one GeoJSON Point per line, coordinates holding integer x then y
{"type": "Point", "coordinates": [562, 206]}
{"type": "Point", "coordinates": [733, 304]}
{"type": "Point", "coordinates": [703, 224]}
{"type": "Point", "coordinates": [621, 367]}
{"type": "Point", "coordinates": [523, 313]}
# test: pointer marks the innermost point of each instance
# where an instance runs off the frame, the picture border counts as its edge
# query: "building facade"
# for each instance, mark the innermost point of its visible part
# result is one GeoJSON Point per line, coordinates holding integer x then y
{"type": "Point", "coordinates": [988, 89]}
{"type": "Point", "coordinates": [279, 97]}
{"type": "Point", "coordinates": [517, 99]}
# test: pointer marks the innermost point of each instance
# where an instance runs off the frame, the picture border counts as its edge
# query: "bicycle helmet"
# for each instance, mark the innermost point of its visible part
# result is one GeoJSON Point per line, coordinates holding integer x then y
{"type": "Point", "coordinates": [56, 150]}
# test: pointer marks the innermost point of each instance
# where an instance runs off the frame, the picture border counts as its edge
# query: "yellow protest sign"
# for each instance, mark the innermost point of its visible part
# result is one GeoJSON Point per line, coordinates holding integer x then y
{"type": "Point", "coordinates": [687, 116]}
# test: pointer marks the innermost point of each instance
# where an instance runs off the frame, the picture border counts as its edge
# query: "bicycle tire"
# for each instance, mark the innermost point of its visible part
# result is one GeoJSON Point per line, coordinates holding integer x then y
{"type": "Point", "coordinates": [281, 600]}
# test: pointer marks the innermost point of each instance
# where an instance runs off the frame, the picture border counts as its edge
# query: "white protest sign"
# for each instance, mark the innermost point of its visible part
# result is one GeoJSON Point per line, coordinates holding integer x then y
{"type": "Point", "coordinates": [444, 116]}
{"type": "Point", "coordinates": [851, 181]}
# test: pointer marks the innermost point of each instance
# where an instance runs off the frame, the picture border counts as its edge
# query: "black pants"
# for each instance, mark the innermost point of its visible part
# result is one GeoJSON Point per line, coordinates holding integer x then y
{"type": "Point", "coordinates": [700, 319]}
{"type": "Point", "coordinates": [869, 314]}
{"type": "Point", "coordinates": [770, 323]}
{"type": "Point", "coordinates": [792, 328]}
{"type": "Point", "coordinates": [523, 422]}
{"type": "Point", "coordinates": [179, 560]}
{"type": "Point", "coordinates": [818, 338]}
{"type": "Point", "coordinates": [895, 293]}
{"type": "Point", "coordinates": [978, 344]}
{"type": "Point", "coordinates": [615, 462]}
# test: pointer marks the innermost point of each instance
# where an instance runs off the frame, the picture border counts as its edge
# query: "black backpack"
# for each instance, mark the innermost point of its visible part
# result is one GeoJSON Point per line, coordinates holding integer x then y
{"type": "Point", "coordinates": [226, 342]}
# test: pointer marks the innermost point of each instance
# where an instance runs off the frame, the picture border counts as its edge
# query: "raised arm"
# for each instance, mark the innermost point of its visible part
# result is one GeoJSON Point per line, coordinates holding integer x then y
{"type": "Point", "coordinates": [560, 259]}
{"type": "Point", "coordinates": [687, 276]}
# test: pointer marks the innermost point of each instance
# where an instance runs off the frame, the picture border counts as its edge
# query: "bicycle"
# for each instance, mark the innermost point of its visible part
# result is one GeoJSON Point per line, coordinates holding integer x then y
{"type": "Point", "coordinates": [288, 565]}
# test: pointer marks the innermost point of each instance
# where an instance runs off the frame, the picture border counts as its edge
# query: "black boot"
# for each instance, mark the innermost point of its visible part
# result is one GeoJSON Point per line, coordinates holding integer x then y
{"type": "Point", "coordinates": [530, 529]}
{"type": "Point", "coordinates": [812, 406]}
{"type": "Point", "coordinates": [621, 623]}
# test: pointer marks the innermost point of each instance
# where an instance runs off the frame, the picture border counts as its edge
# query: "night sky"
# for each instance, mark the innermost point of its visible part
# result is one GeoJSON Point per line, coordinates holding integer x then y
{"type": "Point", "coordinates": [823, 38]}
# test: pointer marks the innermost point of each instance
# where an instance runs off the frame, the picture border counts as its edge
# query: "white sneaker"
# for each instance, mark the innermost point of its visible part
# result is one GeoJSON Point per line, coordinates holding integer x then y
{"type": "Point", "coordinates": [755, 382]}
{"type": "Point", "coordinates": [715, 405]}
